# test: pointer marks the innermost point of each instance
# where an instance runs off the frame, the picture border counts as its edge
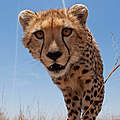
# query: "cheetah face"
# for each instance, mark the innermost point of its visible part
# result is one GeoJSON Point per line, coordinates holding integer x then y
{"type": "Point", "coordinates": [52, 36]}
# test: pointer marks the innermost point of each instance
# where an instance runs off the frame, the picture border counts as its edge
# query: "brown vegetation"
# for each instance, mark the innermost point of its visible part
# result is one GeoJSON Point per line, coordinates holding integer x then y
{"type": "Point", "coordinates": [21, 116]}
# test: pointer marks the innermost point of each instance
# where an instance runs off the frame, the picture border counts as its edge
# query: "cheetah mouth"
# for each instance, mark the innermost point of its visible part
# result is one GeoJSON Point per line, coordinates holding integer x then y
{"type": "Point", "coordinates": [56, 68]}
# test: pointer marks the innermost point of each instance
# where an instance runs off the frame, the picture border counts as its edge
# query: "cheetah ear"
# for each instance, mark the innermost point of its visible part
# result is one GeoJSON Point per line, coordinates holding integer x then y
{"type": "Point", "coordinates": [25, 17]}
{"type": "Point", "coordinates": [80, 12]}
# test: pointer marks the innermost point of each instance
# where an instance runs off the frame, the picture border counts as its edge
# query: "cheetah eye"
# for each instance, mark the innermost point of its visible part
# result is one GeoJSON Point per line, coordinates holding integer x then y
{"type": "Point", "coordinates": [39, 34]}
{"type": "Point", "coordinates": [67, 32]}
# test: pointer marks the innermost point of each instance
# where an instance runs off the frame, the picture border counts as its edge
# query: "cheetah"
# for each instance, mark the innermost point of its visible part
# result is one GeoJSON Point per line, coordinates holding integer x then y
{"type": "Point", "coordinates": [64, 44]}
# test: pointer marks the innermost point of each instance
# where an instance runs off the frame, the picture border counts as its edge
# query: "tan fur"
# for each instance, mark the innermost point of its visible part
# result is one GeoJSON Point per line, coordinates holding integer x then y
{"type": "Point", "coordinates": [80, 55]}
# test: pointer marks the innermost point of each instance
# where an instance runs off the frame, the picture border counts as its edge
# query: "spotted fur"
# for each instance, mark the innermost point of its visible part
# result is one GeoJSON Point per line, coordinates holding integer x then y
{"type": "Point", "coordinates": [66, 47]}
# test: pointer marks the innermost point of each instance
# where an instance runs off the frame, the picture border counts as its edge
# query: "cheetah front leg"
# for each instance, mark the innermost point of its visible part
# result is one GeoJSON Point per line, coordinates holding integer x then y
{"type": "Point", "coordinates": [92, 113]}
{"type": "Point", "coordinates": [93, 107]}
{"type": "Point", "coordinates": [73, 105]}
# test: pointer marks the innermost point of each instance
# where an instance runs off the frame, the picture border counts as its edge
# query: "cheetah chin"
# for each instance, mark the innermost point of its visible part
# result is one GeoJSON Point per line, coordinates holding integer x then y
{"type": "Point", "coordinates": [57, 70]}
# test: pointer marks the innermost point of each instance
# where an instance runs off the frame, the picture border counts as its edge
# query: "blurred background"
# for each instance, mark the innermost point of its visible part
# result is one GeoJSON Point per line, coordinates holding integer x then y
{"type": "Point", "coordinates": [24, 82]}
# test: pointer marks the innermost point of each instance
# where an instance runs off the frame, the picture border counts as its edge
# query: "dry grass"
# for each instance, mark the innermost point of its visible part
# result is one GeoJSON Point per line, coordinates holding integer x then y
{"type": "Point", "coordinates": [21, 116]}
{"type": "Point", "coordinates": [3, 116]}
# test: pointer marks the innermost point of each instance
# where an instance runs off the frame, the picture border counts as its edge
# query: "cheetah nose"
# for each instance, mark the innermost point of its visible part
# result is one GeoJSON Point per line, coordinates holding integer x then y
{"type": "Point", "coordinates": [54, 55]}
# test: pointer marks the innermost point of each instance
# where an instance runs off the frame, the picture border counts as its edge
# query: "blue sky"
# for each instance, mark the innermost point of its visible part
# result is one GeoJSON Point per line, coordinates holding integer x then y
{"type": "Point", "coordinates": [30, 83]}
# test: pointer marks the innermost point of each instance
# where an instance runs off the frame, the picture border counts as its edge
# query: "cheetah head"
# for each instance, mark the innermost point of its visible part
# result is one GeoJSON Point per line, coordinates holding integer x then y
{"type": "Point", "coordinates": [53, 37]}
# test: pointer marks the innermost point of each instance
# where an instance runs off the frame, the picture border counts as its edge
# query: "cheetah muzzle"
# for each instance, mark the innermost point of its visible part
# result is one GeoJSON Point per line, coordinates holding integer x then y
{"type": "Point", "coordinates": [56, 68]}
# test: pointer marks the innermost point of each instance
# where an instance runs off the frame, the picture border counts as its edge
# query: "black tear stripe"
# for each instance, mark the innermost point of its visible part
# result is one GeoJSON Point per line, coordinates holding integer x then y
{"type": "Point", "coordinates": [27, 45]}
{"type": "Point", "coordinates": [42, 47]}
{"type": "Point", "coordinates": [66, 45]}
{"type": "Point", "coordinates": [28, 42]}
